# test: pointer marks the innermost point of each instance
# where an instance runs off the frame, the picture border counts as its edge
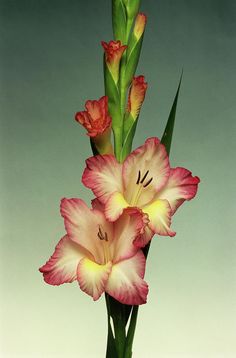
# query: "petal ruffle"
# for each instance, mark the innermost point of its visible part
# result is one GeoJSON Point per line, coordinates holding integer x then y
{"type": "Point", "coordinates": [159, 214]}
{"type": "Point", "coordinates": [103, 175]}
{"type": "Point", "coordinates": [181, 186]}
{"type": "Point", "coordinates": [143, 239]}
{"type": "Point", "coordinates": [126, 229]}
{"type": "Point", "coordinates": [146, 168]}
{"type": "Point", "coordinates": [62, 265]}
{"type": "Point", "coordinates": [125, 282]}
{"type": "Point", "coordinates": [82, 226]}
{"type": "Point", "coordinates": [92, 277]}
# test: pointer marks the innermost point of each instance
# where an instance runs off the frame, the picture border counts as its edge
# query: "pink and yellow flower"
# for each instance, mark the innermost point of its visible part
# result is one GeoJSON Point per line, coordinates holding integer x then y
{"type": "Point", "coordinates": [99, 254]}
{"type": "Point", "coordinates": [113, 53]}
{"type": "Point", "coordinates": [95, 118]}
{"type": "Point", "coordinates": [145, 180]}
{"type": "Point", "coordinates": [136, 95]}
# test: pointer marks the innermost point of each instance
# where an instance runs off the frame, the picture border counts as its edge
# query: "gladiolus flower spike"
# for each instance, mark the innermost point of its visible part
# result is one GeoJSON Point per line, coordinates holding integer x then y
{"type": "Point", "coordinates": [105, 247]}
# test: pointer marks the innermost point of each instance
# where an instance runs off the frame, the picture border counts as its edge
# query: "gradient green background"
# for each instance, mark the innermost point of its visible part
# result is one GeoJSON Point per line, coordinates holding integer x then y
{"type": "Point", "coordinates": [51, 62]}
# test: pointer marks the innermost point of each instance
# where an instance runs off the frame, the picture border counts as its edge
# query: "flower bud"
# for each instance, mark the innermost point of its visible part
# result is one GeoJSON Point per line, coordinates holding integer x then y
{"type": "Point", "coordinates": [97, 121]}
{"type": "Point", "coordinates": [136, 96]}
{"type": "Point", "coordinates": [113, 53]}
{"type": "Point", "coordinates": [139, 25]}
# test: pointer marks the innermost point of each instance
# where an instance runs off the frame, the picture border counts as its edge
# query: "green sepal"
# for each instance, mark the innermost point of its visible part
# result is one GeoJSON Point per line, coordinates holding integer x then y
{"type": "Point", "coordinates": [128, 123]}
{"type": "Point", "coordinates": [132, 7]}
{"type": "Point", "coordinates": [168, 132]}
{"type": "Point", "coordinates": [112, 92]}
{"type": "Point", "coordinates": [127, 144]}
{"type": "Point", "coordinates": [133, 54]}
{"type": "Point", "coordinates": [119, 20]}
{"type": "Point", "coordinates": [93, 147]}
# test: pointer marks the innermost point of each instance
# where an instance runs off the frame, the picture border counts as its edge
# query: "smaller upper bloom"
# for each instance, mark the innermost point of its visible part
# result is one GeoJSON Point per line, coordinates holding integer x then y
{"type": "Point", "coordinates": [113, 53]}
{"type": "Point", "coordinates": [136, 96]}
{"type": "Point", "coordinates": [95, 118]}
{"type": "Point", "coordinates": [100, 255]}
{"type": "Point", "coordinates": [144, 180]}
{"type": "Point", "coordinates": [139, 25]}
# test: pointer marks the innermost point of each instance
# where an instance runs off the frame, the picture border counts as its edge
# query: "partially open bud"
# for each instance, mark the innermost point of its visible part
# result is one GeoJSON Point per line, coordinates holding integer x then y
{"type": "Point", "coordinates": [139, 25]}
{"type": "Point", "coordinates": [97, 121]}
{"type": "Point", "coordinates": [136, 96]}
{"type": "Point", "coordinates": [113, 53]}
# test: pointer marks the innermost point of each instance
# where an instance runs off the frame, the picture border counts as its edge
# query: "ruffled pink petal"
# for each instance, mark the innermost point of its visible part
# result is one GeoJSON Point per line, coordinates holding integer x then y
{"type": "Point", "coordinates": [62, 265]}
{"type": "Point", "coordinates": [159, 214]}
{"type": "Point", "coordinates": [103, 175]}
{"type": "Point", "coordinates": [143, 239]}
{"type": "Point", "coordinates": [96, 204]}
{"type": "Point", "coordinates": [103, 101]}
{"type": "Point", "coordinates": [181, 186]}
{"type": "Point", "coordinates": [126, 229]}
{"type": "Point", "coordinates": [146, 168]}
{"type": "Point", "coordinates": [125, 282]}
{"type": "Point", "coordinates": [92, 277]}
{"type": "Point", "coordinates": [82, 226]}
{"type": "Point", "coordinates": [115, 206]}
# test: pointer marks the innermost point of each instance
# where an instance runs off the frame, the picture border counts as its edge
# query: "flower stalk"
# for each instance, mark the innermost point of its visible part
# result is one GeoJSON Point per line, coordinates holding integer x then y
{"type": "Point", "coordinates": [124, 16]}
{"type": "Point", "coordinates": [136, 193]}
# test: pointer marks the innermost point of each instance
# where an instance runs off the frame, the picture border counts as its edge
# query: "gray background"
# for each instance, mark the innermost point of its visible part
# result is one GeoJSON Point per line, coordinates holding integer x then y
{"type": "Point", "coordinates": [51, 62]}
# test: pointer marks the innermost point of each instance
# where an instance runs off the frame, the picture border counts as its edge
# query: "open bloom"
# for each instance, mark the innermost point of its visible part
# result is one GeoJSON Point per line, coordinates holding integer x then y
{"type": "Point", "coordinates": [99, 254]}
{"type": "Point", "coordinates": [113, 53]}
{"type": "Point", "coordinates": [145, 180]}
{"type": "Point", "coordinates": [95, 118]}
{"type": "Point", "coordinates": [136, 95]}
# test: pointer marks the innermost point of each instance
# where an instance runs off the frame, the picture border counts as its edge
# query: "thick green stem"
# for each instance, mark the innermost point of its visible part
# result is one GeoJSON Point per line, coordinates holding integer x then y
{"type": "Point", "coordinates": [118, 139]}
{"type": "Point", "coordinates": [111, 347]}
{"type": "Point", "coordinates": [118, 313]}
{"type": "Point", "coordinates": [131, 331]}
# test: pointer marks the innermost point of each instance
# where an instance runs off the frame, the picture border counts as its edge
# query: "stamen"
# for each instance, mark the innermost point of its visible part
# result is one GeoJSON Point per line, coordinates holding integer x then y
{"type": "Point", "coordinates": [139, 176]}
{"type": "Point", "coordinates": [99, 236]}
{"type": "Point", "coordinates": [149, 181]}
{"type": "Point", "coordinates": [145, 176]}
{"type": "Point", "coordinates": [102, 235]}
{"type": "Point", "coordinates": [106, 237]}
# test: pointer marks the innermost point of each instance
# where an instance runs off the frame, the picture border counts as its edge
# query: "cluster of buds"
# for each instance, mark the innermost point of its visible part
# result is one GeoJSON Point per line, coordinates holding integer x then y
{"type": "Point", "coordinates": [121, 57]}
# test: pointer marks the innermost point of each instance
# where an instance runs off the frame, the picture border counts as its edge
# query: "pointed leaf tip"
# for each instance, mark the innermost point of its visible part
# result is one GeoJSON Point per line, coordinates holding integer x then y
{"type": "Point", "coordinates": [168, 132]}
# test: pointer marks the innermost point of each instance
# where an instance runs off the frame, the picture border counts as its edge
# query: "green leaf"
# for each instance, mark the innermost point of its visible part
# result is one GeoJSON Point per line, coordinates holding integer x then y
{"type": "Point", "coordinates": [168, 132]}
